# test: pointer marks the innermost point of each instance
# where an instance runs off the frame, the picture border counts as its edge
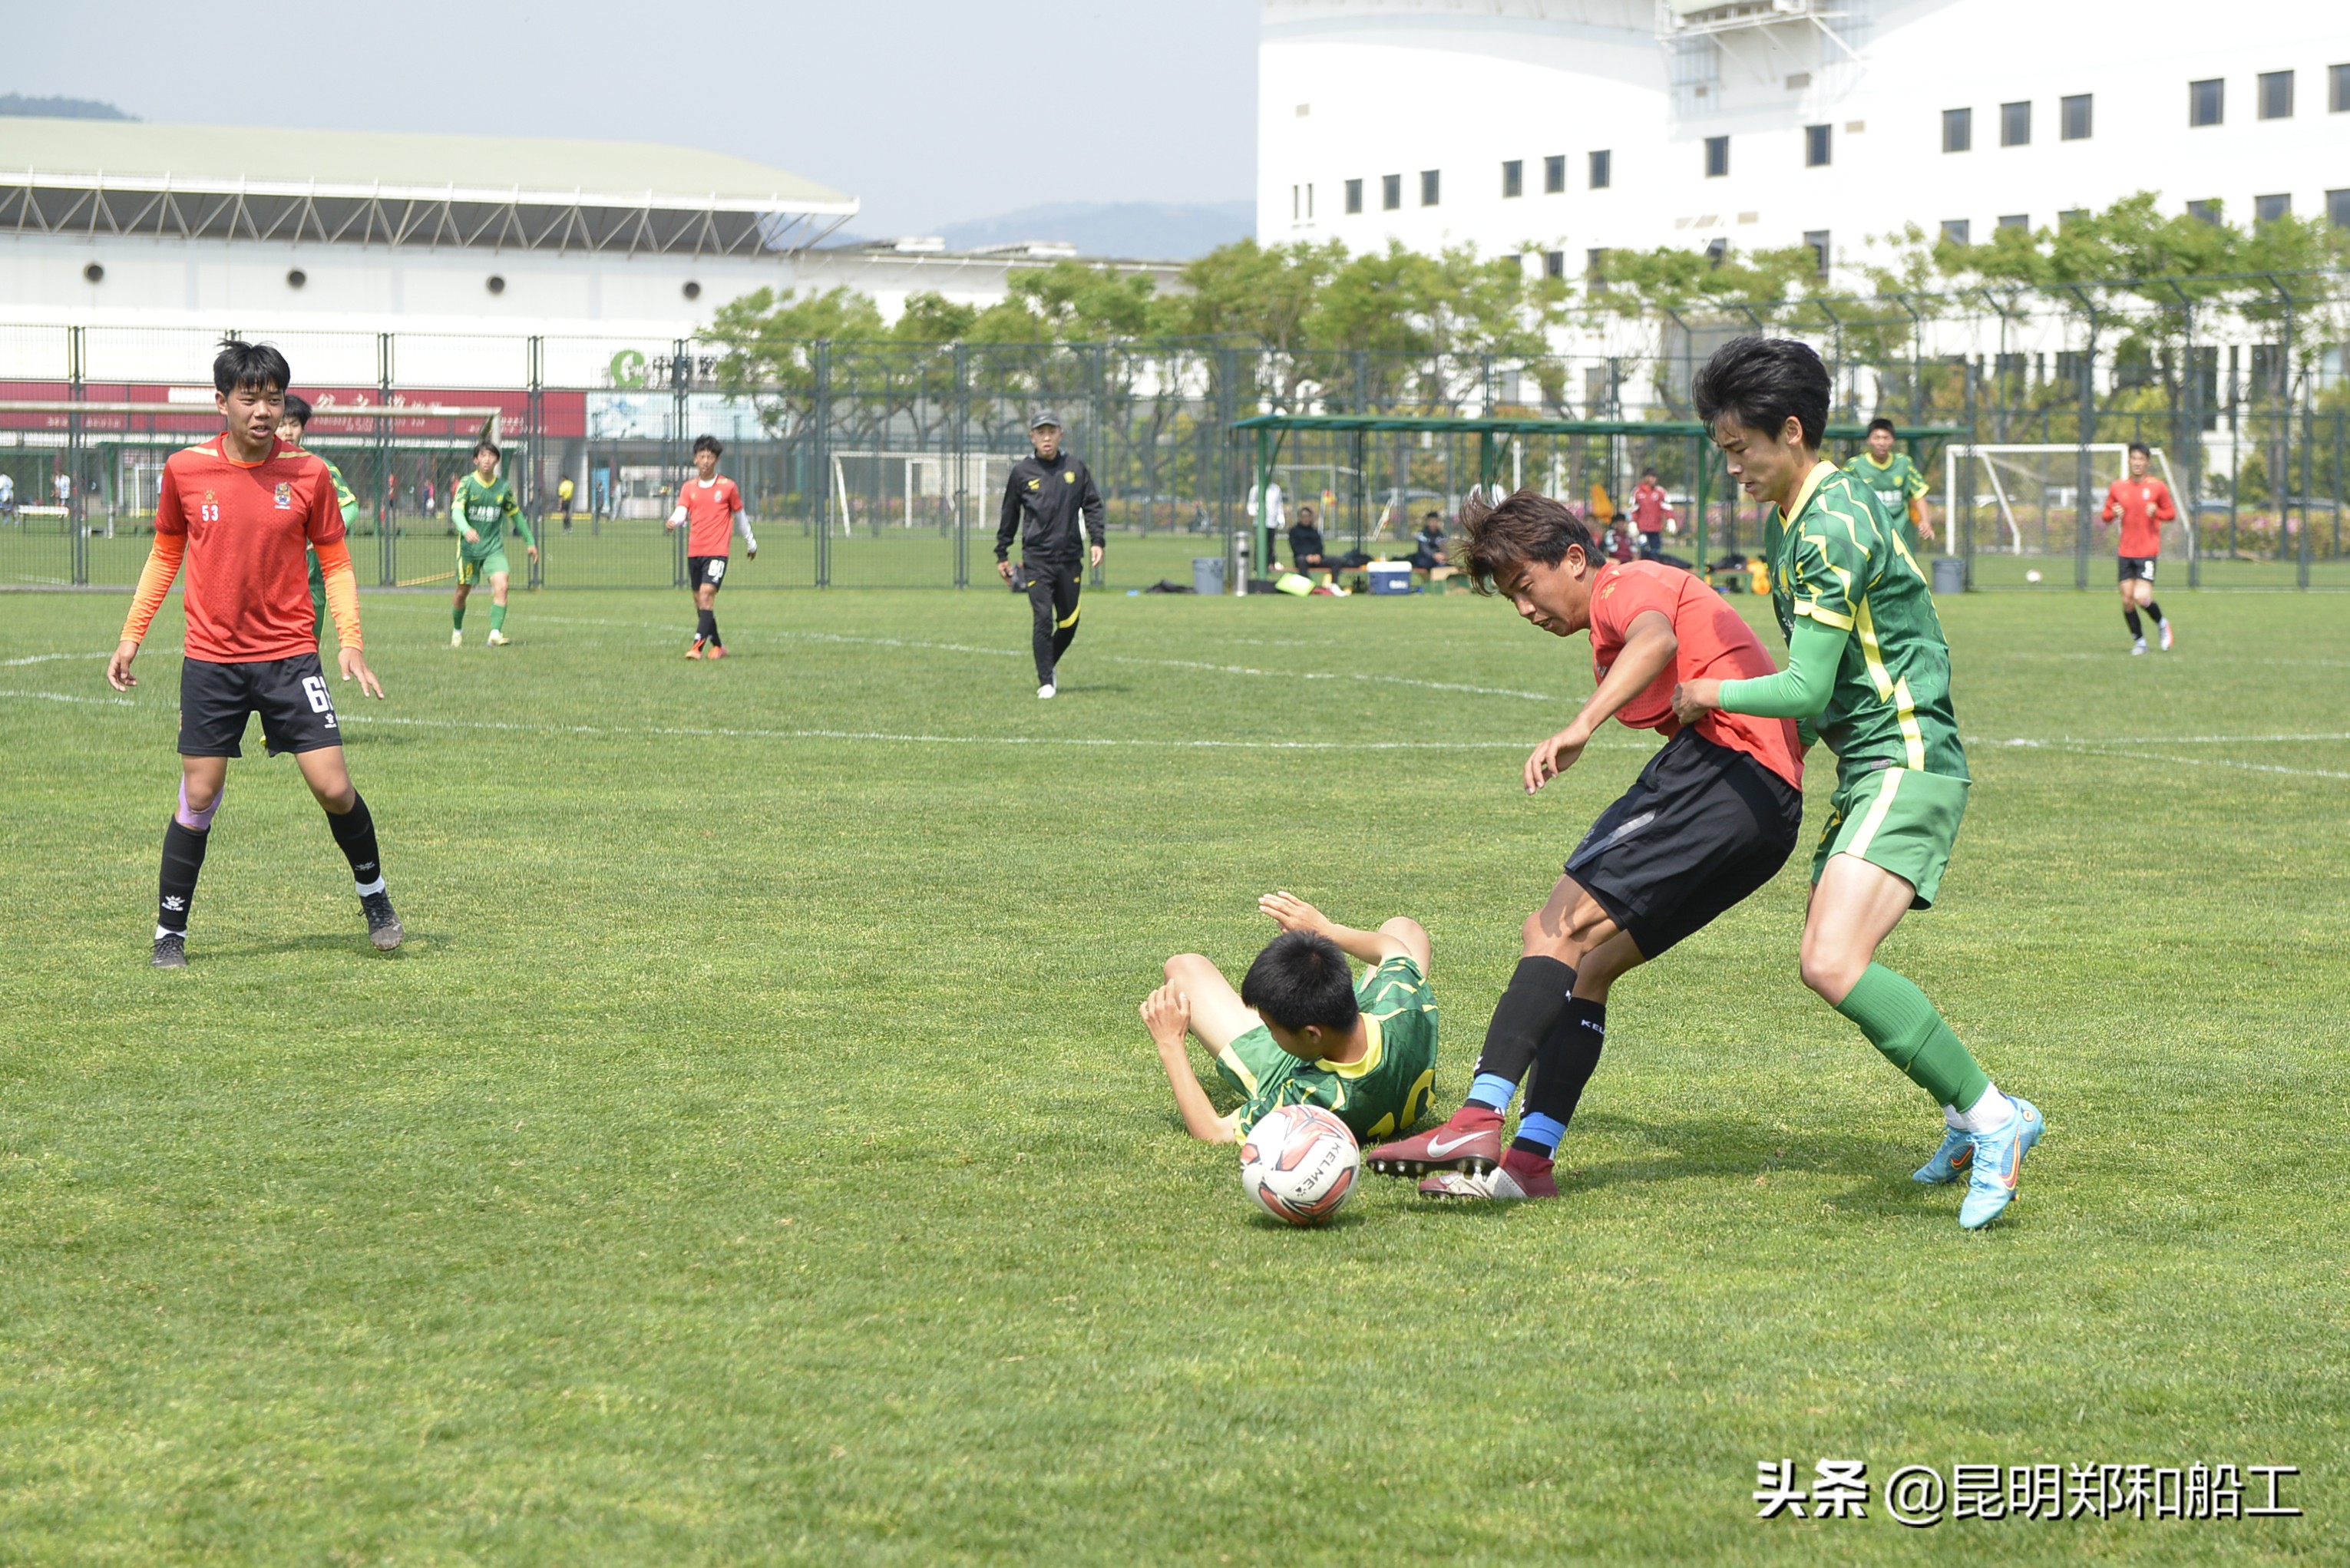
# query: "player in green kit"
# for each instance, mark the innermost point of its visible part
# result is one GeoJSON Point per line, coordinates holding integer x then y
{"type": "Point", "coordinates": [1301, 1030]}
{"type": "Point", "coordinates": [482, 506]}
{"type": "Point", "coordinates": [1868, 671]}
{"type": "Point", "coordinates": [289, 431]}
{"type": "Point", "coordinates": [1900, 488]}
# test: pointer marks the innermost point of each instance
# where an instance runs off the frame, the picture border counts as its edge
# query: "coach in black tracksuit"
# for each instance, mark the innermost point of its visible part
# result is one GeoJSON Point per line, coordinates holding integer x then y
{"type": "Point", "coordinates": [1051, 500]}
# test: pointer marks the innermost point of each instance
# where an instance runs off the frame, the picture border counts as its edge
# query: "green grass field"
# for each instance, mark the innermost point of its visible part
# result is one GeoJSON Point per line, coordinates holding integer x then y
{"type": "Point", "coordinates": [753, 1155]}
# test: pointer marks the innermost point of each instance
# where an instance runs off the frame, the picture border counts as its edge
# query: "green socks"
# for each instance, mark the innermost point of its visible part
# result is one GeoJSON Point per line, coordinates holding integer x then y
{"type": "Point", "coordinates": [457, 615]}
{"type": "Point", "coordinates": [1899, 1021]}
{"type": "Point", "coordinates": [497, 617]}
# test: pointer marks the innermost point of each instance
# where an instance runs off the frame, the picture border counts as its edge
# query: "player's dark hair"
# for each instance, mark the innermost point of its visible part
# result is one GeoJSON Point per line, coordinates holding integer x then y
{"type": "Point", "coordinates": [486, 445]}
{"type": "Point", "coordinates": [1495, 541]}
{"type": "Point", "coordinates": [710, 444]}
{"type": "Point", "coordinates": [1761, 382]}
{"type": "Point", "coordinates": [254, 366]}
{"type": "Point", "coordinates": [1882, 423]}
{"type": "Point", "coordinates": [297, 409]}
{"type": "Point", "coordinates": [2142, 449]}
{"type": "Point", "coordinates": [1302, 977]}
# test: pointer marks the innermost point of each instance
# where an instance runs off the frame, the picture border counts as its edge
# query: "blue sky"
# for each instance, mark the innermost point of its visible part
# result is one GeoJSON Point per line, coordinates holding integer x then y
{"type": "Point", "coordinates": [931, 111]}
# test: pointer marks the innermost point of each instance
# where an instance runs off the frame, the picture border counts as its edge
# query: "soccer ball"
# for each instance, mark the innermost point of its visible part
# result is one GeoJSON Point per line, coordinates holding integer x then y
{"type": "Point", "coordinates": [1299, 1162]}
{"type": "Point", "coordinates": [2032, 575]}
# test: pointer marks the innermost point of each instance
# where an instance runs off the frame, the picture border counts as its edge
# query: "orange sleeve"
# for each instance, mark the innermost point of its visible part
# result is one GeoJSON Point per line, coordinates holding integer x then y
{"type": "Point", "coordinates": [2166, 510]}
{"type": "Point", "coordinates": [342, 591]}
{"type": "Point", "coordinates": [155, 582]}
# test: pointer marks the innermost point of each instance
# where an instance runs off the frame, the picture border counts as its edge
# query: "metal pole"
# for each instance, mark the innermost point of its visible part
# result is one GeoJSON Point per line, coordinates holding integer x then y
{"type": "Point", "coordinates": [2086, 434]}
{"type": "Point", "coordinates": [820, 455]}
{"type": "Point", "coordinates": [387, 520]}
{"type": "Point", "coordinates": [2192, 434]}
{"type": "Point", "coordinates": [2308, 435]}
{"type": "Point", "coordinates": [533, 417]}
{"type": "Point", "coordinates": [77, 390]}
{"type": "Point", "coordinates": [959, 434]}
{"type": "Point", "coordinates": [1703, 465]}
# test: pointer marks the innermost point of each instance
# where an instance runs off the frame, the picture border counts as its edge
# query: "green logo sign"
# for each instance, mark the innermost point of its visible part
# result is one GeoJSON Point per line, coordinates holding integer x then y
{"type": "Point", "coordinates": [628, 368]}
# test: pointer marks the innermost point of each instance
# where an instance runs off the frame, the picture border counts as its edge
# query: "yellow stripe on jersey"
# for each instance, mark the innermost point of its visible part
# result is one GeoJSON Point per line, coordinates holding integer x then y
{"type": "Point", "coordinates": [1913, 739]}
{"type": "Point", "coordinates": [1239, 1069]}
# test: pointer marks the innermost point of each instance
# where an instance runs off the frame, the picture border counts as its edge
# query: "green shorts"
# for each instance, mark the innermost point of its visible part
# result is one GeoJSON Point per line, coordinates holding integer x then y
{"type": "Point", "coordinates": [473, 568]}
{"type": "Point", "coordinates": [1899, 818]}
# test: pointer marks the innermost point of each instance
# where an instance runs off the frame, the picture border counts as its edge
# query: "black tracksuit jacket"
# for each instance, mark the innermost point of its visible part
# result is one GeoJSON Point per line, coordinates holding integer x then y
{"type": "Point", "coordinates": [1054, 508]}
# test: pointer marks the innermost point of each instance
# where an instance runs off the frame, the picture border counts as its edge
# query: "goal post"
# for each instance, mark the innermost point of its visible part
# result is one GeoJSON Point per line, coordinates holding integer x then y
{"type": "Point", "coordinates": [2026, 498]}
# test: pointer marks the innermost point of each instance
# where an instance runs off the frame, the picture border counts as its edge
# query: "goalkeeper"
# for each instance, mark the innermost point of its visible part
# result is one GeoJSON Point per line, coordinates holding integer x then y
{"type": "Point", "coordinates": [482, 506]}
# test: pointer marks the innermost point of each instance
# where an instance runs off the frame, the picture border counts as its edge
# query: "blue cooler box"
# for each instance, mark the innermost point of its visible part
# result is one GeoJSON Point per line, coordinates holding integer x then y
{"type": "Point", "coordinates": [1390, 578]}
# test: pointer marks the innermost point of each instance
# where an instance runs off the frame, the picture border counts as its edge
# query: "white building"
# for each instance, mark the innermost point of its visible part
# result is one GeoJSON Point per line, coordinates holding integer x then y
{"type": "Point", "coordinates": [1564, 126]}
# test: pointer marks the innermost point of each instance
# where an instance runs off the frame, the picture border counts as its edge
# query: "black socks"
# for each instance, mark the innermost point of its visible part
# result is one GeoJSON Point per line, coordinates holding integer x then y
{"type": "Point", "coordinates": [1529, 1006]}
{"type": "Point", "coordinates": [2129, 614]}
{"type": "Point", "coordinates": [354, 830]}
{"type": "Point", "coordinates": [184, 861]}
{"type": "Point", "coordinates": [705, 626]}
{"type": "Point", "coordinates": [1569, 1055]}
{"type": "Point", "coordinates": [2155, 609]}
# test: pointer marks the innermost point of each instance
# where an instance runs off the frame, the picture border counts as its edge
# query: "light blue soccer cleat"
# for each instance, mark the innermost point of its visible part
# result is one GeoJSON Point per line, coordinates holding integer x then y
{"type": "Point", "coordinates": [1949, 1162]}
{"type": "Point", "coordinates": [1998, 1164]}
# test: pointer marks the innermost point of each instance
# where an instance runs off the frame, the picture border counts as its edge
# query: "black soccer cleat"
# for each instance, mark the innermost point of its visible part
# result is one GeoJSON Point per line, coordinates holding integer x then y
{"type": "Point", "coordinates": [384, 928]}
{"type": "Point", "coordinates": [170, 951]}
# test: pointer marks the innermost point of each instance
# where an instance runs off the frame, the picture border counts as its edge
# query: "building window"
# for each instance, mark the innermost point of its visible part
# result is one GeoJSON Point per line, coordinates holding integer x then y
{"type": "Point", "coordinates": [1717, 157]}
{"type": "Point", "coordinates": [2015, 125]}
{"type": "Point", "coordinates": [1553, 264]}
{"type": "Point", "coordinates": [1595, 267]}
{"type": "Point", "coordinates": [1601, 172]}
{"type": "Point", "coordinates": [1818, 240]}
{"type": "Point", "coordinates": [1816, 146]}
{"type": "Point", "coordinates": [2078, 117]}
{"type": "Point", "coordinates": [1717, 252]}
{"type": "Point", "coordinates": [2269, 208]}
{"type": "Point", "coordinates": [1295, 211]}
{"type": "Point", "coordinates": [1514, 178]}
{"type": "Point", "coordinates": [2207, 103]}
{"type": "Point", "coordinates": [1390, 192]}
{"type": "Point", "coordinates": [1958, 130]}
{"type": "Point", "coordinates": [2070, 216]}
{"type": "Point", "coordinates": [2276, 95]}
{"type": "Point", "coordinates": [1555, 174]}
{"type": "Point", "coordinates": [1354, 195]}
{"type": "Point", "coordinates": [2337, 208]}
{"type": "Point", "coordinates": [1431, 187]}
{"type": "Point", "coordinates": [2204, 211]}
{"type": "Point", "coordinates": [2019, 221]}
{"type": "Point", "coordinates": [1956, 230]}
{"type": "Point", "coordinates": [2338, 98]}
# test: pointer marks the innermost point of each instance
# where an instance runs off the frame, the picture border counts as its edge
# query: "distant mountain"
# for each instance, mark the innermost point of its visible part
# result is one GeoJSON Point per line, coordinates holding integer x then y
{"type": "Point", "coordinates": [1150, 231]}
{"type": "Point", "coordinates": [59, 108]}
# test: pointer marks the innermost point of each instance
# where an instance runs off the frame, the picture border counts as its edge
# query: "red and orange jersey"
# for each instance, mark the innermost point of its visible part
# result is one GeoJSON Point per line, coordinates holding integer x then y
{"type": "Point", "coordinates": [245, 526]}
{"type": "Point", "coordinates": [2143, 505]}
{"type": "Point", "coordinates": [1716, 644]}
{"type": "Point", "coordinates": [710, 516]}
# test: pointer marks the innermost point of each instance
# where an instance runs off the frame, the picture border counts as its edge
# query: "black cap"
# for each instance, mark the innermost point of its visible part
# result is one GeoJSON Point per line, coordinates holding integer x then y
{"type": "Point", "coordinates": [1044, 417]}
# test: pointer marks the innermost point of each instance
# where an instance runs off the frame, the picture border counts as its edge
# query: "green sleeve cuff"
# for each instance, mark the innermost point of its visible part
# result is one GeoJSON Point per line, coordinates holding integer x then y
{"type": "Point", "coordinates": [1802, 690]}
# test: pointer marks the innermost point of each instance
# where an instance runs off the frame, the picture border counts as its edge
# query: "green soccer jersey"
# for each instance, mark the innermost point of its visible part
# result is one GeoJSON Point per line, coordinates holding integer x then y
{"type": "Point", "coordinates": [1378, 1097]}
{"type": "Point", "coordinates": [486, 509]}
{"type": "Point", "coordinates": [350, 506]}
{"type": "Point", "coordinates": [1837, 558]}
{"type": "Point", "coordinates": [1896, 484]}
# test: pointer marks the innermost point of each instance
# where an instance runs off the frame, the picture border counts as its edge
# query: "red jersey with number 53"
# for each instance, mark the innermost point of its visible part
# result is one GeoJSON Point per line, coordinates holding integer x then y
{"type": "Point", "coordinates": [248, 577]}
{"type": "Point", "coordinates": [1715, 644]}
{"type": "Point", "coordinates": [710, 516]}
{"type": "Point", "coordinates": [2143, 505]}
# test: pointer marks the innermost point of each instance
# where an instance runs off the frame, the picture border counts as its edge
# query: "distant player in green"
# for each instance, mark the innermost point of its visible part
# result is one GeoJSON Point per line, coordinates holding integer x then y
{"type": "Point", "coordinates": [1301, 1030]}
{"type": "Point", "coordinates": [1868, 671]}
{"type": "Point", "coordinates": [1900, 488]}
{"type": "Point", "coordinates": [482, 506]}
{"type": "Point", "coordinates": [289, 431]}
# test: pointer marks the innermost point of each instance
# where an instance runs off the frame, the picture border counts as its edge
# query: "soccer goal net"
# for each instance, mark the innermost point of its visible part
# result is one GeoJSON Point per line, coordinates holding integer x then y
{"type": "Point", "coordinates": [877, 490]}
{"type": "Point", "coordinates": [2028, 499]}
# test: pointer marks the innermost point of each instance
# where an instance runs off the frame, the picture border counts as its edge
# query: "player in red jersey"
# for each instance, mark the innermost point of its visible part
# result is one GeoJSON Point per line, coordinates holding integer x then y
{"type": "Point", "coordinates": [240, 510]}
{"type": "Point", "coordinates": [2143, 505]}
{"type": "Point", "coordinates": [1651, 510]}
{"type": "Point", "coordinates": [710, 509]}
{"type": "Point", "coordinates": [1711, 818]}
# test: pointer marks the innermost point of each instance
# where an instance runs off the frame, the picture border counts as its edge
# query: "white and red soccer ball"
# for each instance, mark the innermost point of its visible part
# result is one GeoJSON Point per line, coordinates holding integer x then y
{"type": "Point", "coordinates": [1299, 1162]}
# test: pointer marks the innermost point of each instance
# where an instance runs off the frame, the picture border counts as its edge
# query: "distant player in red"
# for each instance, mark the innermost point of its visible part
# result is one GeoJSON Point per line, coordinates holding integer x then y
{"type": "Point", "coordinates": [1651, 510]}
{"type": "Point", "coordinates": [1711, 818]}
{"type": "Point", "coordinates": [710, 509]}
{"type": "Point", "coordinates": [2143, 505]}
{"type": "Point", "coordinates": [240, 510]}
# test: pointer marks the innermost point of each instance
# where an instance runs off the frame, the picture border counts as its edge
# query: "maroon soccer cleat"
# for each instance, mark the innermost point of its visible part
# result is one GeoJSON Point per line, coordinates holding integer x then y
{"type": "Point", "coordinates": [1470, 1142]}
{"type": "Point", "coordinates": [1505, 1183]}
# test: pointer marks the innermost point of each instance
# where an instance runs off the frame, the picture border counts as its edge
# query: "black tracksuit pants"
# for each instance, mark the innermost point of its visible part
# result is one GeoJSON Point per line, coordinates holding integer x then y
{"type": "Point", "coordinates": [1053, 599]}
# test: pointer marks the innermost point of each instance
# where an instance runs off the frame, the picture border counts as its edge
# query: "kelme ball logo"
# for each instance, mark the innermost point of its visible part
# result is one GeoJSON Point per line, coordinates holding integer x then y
{"type": "Point", "coordinates": [284, 496]}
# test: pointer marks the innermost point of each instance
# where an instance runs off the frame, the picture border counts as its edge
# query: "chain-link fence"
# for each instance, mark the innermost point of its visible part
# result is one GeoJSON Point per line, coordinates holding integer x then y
{"type": "Point", "coordinates": [882, 464]}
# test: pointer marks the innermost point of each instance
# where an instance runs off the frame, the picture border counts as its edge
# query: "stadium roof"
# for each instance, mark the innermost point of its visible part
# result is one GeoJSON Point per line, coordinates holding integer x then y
{"type": "Point", "coordinates": [223, 182]}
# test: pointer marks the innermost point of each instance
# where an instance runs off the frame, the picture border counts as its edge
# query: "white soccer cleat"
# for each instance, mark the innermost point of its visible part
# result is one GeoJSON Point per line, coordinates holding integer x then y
{"type": "Point", "coordinates": [1046, 691]}
{"type": "Point", "coordinates": [496, 639]}
{"type": "Point", "coordinates": [2138, 647]}
{"type": "Point", "coordinates": [2166, 637]}
{"type": "Point", "coordinates": [457, 640]}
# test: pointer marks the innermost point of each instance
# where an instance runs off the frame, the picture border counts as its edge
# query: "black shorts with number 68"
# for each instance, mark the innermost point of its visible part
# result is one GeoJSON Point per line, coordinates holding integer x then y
{"type": "Point", "coordinates": [1701, 829]}
{"type": "Point", "coordinates": [705, 571]}
{"type": "Point", "coordinates": [297, 712]}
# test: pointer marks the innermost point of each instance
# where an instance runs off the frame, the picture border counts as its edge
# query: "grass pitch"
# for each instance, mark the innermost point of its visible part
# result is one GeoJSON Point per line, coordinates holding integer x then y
{"type": "Point", "coordinates": [753, 1155]}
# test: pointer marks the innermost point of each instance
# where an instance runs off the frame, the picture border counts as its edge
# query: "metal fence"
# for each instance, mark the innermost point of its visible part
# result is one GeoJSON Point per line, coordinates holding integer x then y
{"type": "Point", "coordinates": [868, 464]}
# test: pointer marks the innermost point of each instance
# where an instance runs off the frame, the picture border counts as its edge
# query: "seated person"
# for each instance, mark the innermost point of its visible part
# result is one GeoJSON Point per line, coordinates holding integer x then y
{"type": "Point", "coordinates": [1305, 548]}
{"type": "Point", "coordinates": [1300, 1030]}
{"type": "Point", "coordinates": [1427, 544]}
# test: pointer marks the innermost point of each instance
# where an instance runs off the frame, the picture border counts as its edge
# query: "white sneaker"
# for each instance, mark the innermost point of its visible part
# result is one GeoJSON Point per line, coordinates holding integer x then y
{"type": "Point", "coordinates": [457, 640]}
{"type": "Point", "coordinates": [1045, 690]}
{"type": "Point", "coordinates": [496, 639]}
{"type": "Point", "coordinates": [2138, 647]}
{"type": "Point", "coordinates": [2166, 637]}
